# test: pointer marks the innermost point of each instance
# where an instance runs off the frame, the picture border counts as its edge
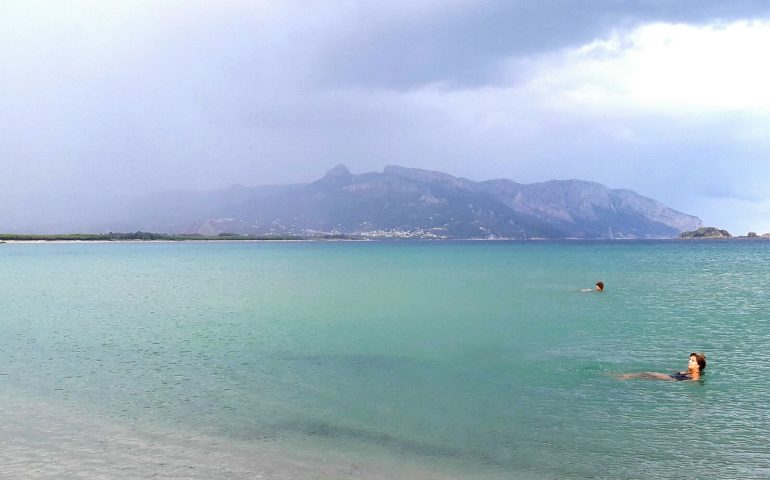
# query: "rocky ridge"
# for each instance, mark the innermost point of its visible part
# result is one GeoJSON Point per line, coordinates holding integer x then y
{"type": "Point", "coordinates": [397, 203]}
{"type": "Point", "coordinates": [413, 203]}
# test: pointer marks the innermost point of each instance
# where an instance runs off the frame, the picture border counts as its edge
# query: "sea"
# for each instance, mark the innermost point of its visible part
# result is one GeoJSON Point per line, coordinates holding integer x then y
{"type": "Point", "coordinates": [383, 360]}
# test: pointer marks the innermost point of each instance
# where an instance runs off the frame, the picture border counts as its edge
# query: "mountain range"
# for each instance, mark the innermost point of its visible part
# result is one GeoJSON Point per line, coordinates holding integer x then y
{"type": "Point", "coordinates": [397, 203]}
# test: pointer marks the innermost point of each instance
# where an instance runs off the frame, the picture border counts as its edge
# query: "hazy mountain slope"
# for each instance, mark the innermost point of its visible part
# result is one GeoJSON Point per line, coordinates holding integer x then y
{"type": "Point", "coordinates": [399, 202]}
{"type": "Point", "coordinates": [433, 203]}
{"type": "Point", "coordinates": [590, 210]}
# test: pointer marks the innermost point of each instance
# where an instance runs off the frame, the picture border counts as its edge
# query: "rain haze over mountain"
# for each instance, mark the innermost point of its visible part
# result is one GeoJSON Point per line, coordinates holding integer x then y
{"type": "Point", "coordinates": [107, 99]}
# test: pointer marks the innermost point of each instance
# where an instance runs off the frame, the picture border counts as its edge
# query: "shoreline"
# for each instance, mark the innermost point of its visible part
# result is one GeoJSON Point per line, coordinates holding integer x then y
{"type": "Point", "coordinates": [146, 241]}
{"type": "Point", "coordinates": [383, 240]}
{"type": "Point", "coordinates": [74, 443]}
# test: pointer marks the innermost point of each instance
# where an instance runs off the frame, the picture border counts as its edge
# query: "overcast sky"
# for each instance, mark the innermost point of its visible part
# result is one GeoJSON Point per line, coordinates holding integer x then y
{"type": "Point", "coordinates": [666, 98]}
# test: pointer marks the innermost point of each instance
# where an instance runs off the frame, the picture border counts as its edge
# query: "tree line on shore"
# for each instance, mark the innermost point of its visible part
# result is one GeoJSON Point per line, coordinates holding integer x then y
{"type": "Point", "coordinates": [142, 236]}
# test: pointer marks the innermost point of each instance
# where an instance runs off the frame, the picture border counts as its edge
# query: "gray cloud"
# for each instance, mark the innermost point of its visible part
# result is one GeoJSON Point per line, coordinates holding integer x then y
{"type": "Point", "coordinates": [464, 45]}
{"type": "Point", "coordinates": [121, 98]}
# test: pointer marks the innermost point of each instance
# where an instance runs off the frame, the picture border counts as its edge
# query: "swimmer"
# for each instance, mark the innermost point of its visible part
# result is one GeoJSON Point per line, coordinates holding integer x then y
{"type": "Point", "coordinates": [695, 366]}
{"type": "Point", "coordinates": [599, 287]}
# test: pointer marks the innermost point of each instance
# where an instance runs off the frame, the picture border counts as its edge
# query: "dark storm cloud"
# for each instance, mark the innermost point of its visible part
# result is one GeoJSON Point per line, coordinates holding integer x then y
{"type": "Point", "coordinates": [463, 45]}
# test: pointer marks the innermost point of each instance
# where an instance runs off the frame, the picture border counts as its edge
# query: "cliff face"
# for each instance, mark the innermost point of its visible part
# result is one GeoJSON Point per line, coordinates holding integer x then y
{"type": "Point", "coordinates": [590, 210]}
{"type": "Point", "coordinates": [404, 202]}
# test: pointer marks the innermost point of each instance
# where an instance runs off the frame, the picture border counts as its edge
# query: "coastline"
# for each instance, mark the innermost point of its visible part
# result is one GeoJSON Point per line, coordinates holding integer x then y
{"type": "Point", "coordinates": [369, 239]}
{"type": "Point", "coordinates": [162, 237]}
{"type": "Point", "coordinates": [704, 233]}
{"type": "Point", "coordinates": [144, 241]}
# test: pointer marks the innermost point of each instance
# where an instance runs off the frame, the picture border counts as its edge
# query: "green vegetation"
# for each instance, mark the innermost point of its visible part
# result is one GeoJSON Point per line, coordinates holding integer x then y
{"type": "Point", "coordinates": [706, 232]}
{"type": "Point", "coordinates": [142, 236]}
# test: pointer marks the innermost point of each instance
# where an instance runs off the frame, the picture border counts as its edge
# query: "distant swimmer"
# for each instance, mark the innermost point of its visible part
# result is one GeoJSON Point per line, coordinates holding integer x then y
{"type": "Point", "coordinates": [599, 287]}
{"type": "Point", "coordinates": [695, 366]}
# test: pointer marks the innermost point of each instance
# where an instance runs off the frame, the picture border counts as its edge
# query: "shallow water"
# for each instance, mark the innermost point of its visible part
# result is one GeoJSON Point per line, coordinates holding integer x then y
{"type": "Point", "coordinates": [383, 360]}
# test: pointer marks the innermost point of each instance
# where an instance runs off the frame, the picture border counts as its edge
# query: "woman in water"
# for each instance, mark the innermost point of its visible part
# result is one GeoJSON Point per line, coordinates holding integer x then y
{"type": "Point", "coordinates": [695, 366]}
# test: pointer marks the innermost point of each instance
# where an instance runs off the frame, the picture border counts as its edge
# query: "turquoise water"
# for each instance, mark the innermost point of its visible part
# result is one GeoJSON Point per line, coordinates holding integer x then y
{"type": "Point", "coordinates": [454, 359]}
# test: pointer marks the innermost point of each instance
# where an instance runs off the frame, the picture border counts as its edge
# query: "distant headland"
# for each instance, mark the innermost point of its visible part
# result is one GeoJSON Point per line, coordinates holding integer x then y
{"type": "Point", "coordinates": [716, 233]}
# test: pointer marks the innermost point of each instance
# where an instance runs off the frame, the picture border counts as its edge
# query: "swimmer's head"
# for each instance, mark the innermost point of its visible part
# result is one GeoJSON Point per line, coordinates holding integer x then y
{"type": "Point", "coordinates": [698, 359]}
{"type": "Point", "coordinates": [599, 286]}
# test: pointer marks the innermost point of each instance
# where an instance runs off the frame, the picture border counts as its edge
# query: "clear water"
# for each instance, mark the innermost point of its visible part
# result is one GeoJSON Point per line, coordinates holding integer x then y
{"type": "Point", "coordinates": [383, 360]}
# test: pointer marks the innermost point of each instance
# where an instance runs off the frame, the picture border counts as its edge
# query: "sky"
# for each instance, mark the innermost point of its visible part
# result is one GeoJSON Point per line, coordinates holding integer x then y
{"type": "Point", "coordinates": [666, 98]}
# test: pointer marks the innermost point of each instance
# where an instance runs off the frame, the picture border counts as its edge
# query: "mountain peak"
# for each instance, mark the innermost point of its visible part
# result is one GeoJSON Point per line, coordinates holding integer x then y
{"type": "Point", "coordinates": [336, 177]}
{"type": "Point", "coordinates": [338, 171]}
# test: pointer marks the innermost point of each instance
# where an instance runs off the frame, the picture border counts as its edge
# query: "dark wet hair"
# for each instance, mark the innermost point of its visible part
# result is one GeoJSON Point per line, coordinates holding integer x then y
{"type": "Point", "coordinates": [700, 358]}
{"type": "Point", "coordinates": [600, 284]}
